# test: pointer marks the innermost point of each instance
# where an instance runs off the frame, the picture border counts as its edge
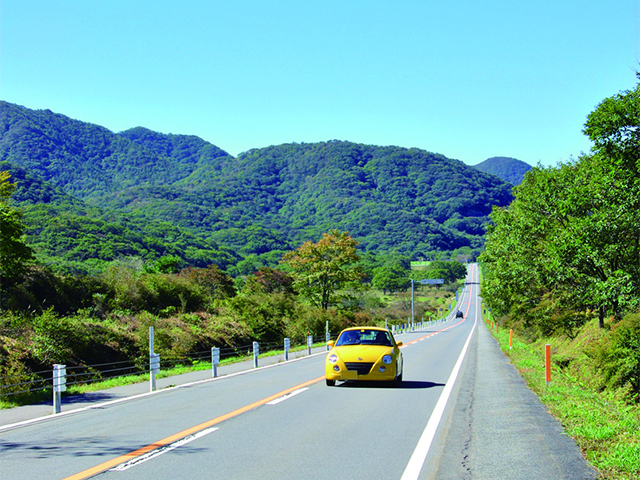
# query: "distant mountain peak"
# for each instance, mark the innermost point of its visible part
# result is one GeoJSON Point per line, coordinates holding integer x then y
{"type": "Point", "coordinates": [508, 169]}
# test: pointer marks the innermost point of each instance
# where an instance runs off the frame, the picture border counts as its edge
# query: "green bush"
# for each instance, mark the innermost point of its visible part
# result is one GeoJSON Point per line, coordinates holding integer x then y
{"type": "Point", "coordinates": [41, 289]}
{"type": "Point", "coordinates": [266, 314]}
{"type": "Point", "coordinates": [618, 356]}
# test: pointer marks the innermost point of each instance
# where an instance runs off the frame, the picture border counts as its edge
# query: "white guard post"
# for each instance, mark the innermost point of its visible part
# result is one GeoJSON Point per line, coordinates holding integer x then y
{"type": "Point", "coordinates": [327, 335]}
{"type": "Point", "coordinates": [256, 352]}
{"type": "Point", "coordinates": [154, 369]}
{"type": "Point", "coordinates": [59, 385]}
{"type": "Point", "coordinates": [287, 347]}
{"type": "Point", "coordinates": [215, 361]}
{"type": "Point", "coordinates": [309, 343]}
{"type": "Point", "coordinates": [154, 363]}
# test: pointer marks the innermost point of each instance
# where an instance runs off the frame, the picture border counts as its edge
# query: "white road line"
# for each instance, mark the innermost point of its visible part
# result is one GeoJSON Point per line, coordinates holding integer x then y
{"type": "Point", "coordinates": [287, 396]}
{"type": "Point", "coordinates": [164, 449]}
{"type": "Point", "coordinates": [412, 471]}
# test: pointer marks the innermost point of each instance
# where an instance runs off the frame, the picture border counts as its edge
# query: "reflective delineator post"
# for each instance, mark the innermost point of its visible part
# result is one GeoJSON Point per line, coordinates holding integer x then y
{"type": "Point", "coordinates": [215, 361]}
{"type": "Point", "coordinates": [547, 354]}
{"type": "Point", "coordinates": [327, 335]}
{"type": "Point", "coordinates": [309, 343]}
{"type": "Point", "coordinates": [256, 351]}
{"type": "Point", "coordinates": [511, 338]}
{"type": "Point", "coordinates": [287, 347]}
{"type": "Point", "coordinates": [154, 362]}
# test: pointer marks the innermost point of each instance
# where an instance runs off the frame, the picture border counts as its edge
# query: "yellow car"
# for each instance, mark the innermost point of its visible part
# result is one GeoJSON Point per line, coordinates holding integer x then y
{"type": "Point", "coordinates": [364, 353]}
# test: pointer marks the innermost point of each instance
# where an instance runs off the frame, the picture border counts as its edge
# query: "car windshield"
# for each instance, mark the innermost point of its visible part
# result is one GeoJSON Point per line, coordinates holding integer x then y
{"type": "Point", "coordinates": [364, 337]}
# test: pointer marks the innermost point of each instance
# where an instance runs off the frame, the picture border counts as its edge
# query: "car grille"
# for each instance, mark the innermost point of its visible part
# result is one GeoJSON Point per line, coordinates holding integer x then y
{"type": "Point", "coordinates": [362, 368]}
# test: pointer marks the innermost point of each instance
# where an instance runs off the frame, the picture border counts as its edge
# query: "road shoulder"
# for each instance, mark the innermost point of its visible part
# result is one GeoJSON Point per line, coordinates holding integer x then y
{"type": "Point", "coordinates": [498, 428]}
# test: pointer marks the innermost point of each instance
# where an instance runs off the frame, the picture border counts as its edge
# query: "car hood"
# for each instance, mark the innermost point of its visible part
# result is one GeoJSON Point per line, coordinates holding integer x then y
{"type": "Point", "coordinates": [362, 353]}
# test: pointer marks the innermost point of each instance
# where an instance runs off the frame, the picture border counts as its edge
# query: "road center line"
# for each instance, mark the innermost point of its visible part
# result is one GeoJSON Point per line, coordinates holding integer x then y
{"type": "Point", "coordinates": [159, 451]}
{"type": "Point", "coordinates": [287, 396]}
{"type": "Point", "coordinates": [128, 457]}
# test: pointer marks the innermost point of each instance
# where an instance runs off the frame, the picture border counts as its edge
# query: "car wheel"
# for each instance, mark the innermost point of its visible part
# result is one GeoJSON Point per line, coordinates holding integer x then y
{"type": "Point", "coordinates": [330, 383]}
{"type": "Point", "coordinates": [398, 379]}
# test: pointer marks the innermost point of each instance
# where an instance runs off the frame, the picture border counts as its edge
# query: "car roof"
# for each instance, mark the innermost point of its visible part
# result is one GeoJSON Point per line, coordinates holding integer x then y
{"type": "Point", "coordinates": [382, 329]}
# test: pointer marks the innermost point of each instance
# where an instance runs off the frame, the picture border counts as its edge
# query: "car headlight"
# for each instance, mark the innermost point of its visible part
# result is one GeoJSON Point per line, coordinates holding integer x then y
{"type": "Point", "coordinates": [333, 358]}
{"type": "Point", "coordinates": [387, 359]}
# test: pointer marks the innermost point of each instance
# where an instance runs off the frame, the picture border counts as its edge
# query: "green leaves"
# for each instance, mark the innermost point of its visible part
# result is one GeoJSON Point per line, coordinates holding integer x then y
{"type": "Point", "coordinates": [15, 255]}
{"type": "Point", "coordinates": [571, 237]}
{"type": "Point", "coordinates": [321, 269]}
{"type": "Point", "coordinates": [614, 126]}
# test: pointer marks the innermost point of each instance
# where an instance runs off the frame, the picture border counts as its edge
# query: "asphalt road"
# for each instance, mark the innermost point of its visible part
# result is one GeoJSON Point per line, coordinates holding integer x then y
{"type": "Point", "coordinates": [461, 412]}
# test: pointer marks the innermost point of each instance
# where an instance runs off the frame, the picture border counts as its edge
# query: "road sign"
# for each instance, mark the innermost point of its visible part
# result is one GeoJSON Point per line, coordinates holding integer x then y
{"type": "Point", "coordinates": [432, 281]}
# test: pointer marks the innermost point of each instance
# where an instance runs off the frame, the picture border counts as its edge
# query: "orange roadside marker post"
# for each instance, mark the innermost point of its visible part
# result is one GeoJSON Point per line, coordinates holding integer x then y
{"type": "Point", "coordinates": [511, 338]}
{"type": "Point", "coordinates": [547, 350]}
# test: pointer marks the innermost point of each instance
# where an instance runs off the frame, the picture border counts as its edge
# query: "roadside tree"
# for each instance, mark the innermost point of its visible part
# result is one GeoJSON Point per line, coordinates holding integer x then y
{"type": "Point", "coordinates": [320, 270]}
{"type": "Point", "coordinates": [15, 255]}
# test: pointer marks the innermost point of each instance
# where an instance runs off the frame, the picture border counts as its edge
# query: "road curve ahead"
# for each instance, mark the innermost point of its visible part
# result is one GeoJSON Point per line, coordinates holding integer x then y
{"type": "Point", "coordinates": [283, 422]}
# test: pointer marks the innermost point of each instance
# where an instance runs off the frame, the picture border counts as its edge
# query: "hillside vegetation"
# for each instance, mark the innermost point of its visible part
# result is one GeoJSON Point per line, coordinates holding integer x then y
{"type": "Point", "coordinates": [267, 200]}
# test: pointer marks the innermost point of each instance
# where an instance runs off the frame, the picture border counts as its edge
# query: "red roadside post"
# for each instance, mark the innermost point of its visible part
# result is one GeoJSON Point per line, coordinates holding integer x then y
{"type": "Point", "coordinates": [547, 350]}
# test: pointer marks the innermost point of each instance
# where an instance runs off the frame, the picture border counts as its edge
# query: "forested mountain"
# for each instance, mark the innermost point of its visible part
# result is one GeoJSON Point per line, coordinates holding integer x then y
{"type": "Point", "coordinates": [69, 233]}
{"type": "Point", "coordinates": [508, 169]}
{"type": "Point", "coordinates": [167, 187]}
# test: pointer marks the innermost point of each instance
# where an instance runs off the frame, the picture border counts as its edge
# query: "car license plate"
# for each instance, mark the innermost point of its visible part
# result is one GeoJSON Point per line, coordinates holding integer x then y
{"type": "Point", "coordinates": [349, 375]}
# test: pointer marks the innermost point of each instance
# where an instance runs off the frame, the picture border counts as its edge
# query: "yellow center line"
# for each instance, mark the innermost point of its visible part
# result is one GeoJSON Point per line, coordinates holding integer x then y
{"type": "Point", "coordinates": [190, 431]}
{"type": "Point", "coordinates": [442, 329]}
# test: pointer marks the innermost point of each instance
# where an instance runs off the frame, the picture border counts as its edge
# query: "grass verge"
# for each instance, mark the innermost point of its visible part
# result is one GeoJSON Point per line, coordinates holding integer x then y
{"type": "Point", "coordinates": [606, 429]}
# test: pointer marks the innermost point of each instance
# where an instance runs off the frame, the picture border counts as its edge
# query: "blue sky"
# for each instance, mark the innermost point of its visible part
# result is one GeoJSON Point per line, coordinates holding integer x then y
{"type": "Point", "coordinates": [466, 79]}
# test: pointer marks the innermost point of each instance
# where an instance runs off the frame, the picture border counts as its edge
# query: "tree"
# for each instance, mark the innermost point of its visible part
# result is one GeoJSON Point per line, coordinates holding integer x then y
{"type": "Point", "coordinates": [614, 127]}
{"type": "Point", "coordinates": [166, 264]}
{"type": "Point", "coordinates": [269, 280]}
{"type": "Point", "coordinates": [449, 271]}
{"type": "Point", "coordinates": [390, 278]}
{"type": "Point", "coordinates": [15, 255]}
{"type": "Point", "coordinates": [213, 282]}
{"type": "Point", "coordinates": [393, 275]}
{"type": "Point", "coordinates": [321, 269]}
{"type": "Point", "coordinates": [570, 240]}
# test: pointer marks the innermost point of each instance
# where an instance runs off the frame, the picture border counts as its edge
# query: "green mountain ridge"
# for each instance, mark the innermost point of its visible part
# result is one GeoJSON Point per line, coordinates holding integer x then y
{"type": "Point", "coordinates": [389, 198]}
{"type": "Point", "coordinates": [67, 232]}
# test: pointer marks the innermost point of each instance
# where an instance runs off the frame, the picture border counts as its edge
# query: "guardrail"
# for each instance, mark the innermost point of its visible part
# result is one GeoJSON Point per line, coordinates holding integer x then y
{"type": "Point", "coordinates": [62, 376]}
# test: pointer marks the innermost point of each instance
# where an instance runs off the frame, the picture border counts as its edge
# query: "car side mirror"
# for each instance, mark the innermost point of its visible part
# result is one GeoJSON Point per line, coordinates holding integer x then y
{"type": "Point", "coordinates": [331, 343]}
{"type": "Point", "coordinates": [398, 344]}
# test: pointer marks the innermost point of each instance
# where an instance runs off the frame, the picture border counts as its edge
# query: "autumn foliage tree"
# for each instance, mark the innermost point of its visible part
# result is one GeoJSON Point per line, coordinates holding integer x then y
{"type": "Point", "coordinates": [320, 270]}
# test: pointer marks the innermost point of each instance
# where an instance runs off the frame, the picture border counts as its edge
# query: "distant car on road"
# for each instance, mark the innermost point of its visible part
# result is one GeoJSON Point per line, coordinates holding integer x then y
{"type": "Point", "coordinates": [364, 353]}
{"type": "Point", "coordinates": [459, 314]}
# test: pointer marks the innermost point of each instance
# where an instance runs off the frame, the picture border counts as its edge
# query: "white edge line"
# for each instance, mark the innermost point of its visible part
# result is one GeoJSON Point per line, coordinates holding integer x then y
{"type": "Point", "coordinates": [164, 449]}
{"type": "Point", "coordinates": [141, 395]}
{"type": "Point", "coordinates": [413, 468]}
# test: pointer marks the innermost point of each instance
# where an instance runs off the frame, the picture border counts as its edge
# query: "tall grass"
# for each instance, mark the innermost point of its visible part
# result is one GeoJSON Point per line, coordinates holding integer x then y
{"type": "Point", "coordinates": [605, 425]}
